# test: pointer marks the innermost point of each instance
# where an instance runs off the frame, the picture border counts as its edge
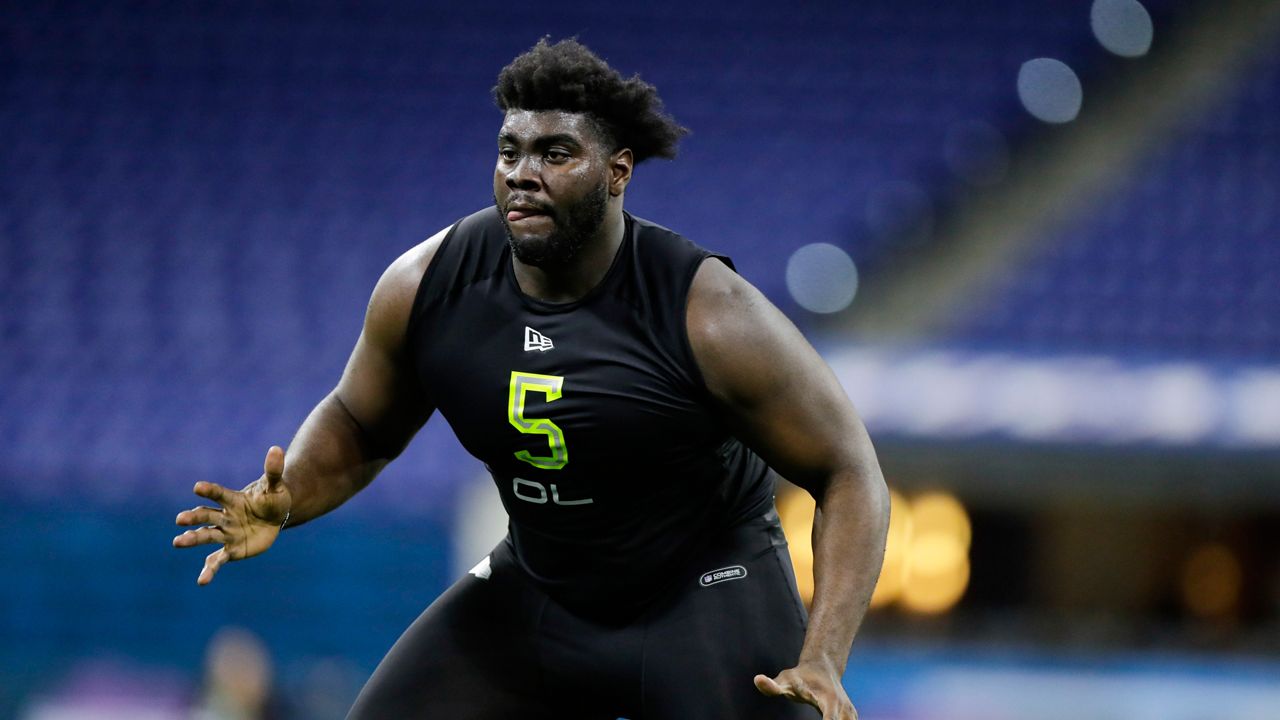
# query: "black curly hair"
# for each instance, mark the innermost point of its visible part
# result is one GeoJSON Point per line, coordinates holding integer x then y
{"type": "Point", "coordinates": [568, 76]}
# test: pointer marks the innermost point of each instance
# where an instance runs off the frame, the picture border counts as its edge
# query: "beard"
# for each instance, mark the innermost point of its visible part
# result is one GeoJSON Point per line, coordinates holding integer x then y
{"type": "Point", "coordinates": [574, 226]}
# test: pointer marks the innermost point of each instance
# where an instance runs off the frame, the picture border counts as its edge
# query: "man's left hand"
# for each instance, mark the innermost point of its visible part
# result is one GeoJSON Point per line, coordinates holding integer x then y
{"type": "Point", "coordinates": [814, 684]}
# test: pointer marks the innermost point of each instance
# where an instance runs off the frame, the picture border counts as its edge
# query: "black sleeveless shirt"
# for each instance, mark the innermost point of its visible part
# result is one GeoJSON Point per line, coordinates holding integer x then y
{"type": "Point", "coordinates": [591, 416]}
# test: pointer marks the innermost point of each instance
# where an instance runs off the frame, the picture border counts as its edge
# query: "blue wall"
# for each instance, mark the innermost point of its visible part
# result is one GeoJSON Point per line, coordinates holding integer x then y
{"type": "Point", "coordinates": [82, 582]}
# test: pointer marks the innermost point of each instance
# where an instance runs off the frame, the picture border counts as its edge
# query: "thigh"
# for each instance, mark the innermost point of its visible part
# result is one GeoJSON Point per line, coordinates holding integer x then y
{"type": "Point", "coordinates": [737, 616]}
{"type": "Point", "coordinates": [469, 656]}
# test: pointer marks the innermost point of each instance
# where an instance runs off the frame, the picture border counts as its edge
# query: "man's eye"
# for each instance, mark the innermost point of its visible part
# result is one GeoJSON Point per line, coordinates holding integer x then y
{"type": "Point", "coordinates": [507, 154]}
{"type": "Point", "coordinates": [557, 155]}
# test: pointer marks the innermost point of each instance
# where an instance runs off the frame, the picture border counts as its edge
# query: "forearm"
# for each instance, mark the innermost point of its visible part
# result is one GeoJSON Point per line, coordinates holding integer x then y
{"type": "Point", "coordinates": [849, 530]}
{"type": "Point", "coordinates": [329, 461]}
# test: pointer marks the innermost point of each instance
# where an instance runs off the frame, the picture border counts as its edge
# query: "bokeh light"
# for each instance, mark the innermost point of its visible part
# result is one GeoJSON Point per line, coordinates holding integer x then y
{"type": "Point", "coordinates": [937, 558]}
{"type": "Point", "coordinates": [1122, 26]}
{"type": "Point", "coordinates": [1211, 581]}
{"type": "Point", "coordinates": [822, 278]}
{"type": "Point", "coordinates": [1050, 90]}
{"type": "Point", "coordinates": [926, 562]}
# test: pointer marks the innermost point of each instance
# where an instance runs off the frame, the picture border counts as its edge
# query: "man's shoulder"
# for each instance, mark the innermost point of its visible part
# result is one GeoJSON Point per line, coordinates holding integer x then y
{"type": "Point", "coordinates": [484, 220]}
{"type": "Point", "coordinates": [410, 267]}
{"type": "Point", "coordinates": [664, 246]}
{"type": "Point", "coordinates": [413, 263]}
{"type": "Point", "coordinates": [391, 304]}
{"type": "Point", "coordinates": [670, 242]}
{"type": "Point", "coordinates": [650, 231]}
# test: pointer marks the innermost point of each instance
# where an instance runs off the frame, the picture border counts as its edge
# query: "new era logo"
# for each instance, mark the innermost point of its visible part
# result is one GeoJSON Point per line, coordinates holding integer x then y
{"type": "Point", "coordinates": [534, 340]}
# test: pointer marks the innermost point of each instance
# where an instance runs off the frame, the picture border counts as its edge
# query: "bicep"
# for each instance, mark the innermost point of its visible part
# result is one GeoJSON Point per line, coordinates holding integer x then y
{"type": "Point", "coordinates": [379, 387]}
{"type": "Point", "coordinates": [378, 391]}
{"type": "Point", "coordinates": [772, 387]}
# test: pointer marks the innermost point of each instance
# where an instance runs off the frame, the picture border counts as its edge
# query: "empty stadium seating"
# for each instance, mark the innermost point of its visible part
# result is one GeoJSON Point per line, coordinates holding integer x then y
{"type": "Point", "coordinates": [1183, 262]}
{"type": "Point", "coordinates": [197, 198]}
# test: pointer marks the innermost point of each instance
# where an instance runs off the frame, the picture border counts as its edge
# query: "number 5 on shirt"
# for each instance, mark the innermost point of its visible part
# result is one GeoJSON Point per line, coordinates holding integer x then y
{"type": "Point", "coordinates": [523, 383]}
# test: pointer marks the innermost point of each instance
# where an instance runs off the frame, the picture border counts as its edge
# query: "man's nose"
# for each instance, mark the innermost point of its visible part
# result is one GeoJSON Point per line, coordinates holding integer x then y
{"type": "Point", "coordinates": [524, 174]}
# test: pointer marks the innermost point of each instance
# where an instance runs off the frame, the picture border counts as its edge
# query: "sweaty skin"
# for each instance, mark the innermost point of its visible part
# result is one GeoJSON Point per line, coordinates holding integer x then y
{"type": "Point", "coordinates": [768, 382]}
{"type": "Point", "coordinates": [555, 158]}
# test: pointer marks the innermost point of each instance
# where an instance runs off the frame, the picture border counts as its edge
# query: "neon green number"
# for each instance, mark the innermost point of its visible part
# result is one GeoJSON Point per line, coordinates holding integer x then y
{"type": "Point", "coordinates": [549, 385]}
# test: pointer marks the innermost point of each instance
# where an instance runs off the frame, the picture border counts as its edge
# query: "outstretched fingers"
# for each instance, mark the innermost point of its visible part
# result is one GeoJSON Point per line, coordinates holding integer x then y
{"type": "Point", "coordinates": [213, 491]}
{"type": "Point", "coordinates": [200, 536]}
{"type": "Point", "coordinates": [202, 515]}
{"type": "Point", "coordinates": [212, 563]}
{"type": "Point", "coordinates": [209, 527]}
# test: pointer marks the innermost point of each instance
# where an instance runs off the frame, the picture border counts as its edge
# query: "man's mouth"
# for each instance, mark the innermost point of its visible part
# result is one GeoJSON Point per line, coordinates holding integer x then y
{"type": "Point", "coordinates": [516, 213]}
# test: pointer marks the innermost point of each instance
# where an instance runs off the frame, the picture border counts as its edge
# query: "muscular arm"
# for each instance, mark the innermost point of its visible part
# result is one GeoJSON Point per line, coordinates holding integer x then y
{"type": "Point", "coordinates": [352, 434]}
{"type": "Point", "coordinates": [377, 406]}
{"type": "Point", "coordinates": [784, 401]}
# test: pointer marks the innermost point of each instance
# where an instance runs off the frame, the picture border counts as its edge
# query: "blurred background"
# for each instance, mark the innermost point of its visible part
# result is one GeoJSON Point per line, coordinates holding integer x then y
{"type": "Point", "coordinates": [1038, 242]}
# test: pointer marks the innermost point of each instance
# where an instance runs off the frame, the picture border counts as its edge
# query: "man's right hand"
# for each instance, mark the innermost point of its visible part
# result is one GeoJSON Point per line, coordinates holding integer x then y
{"type": "Point", "coordinates": [247, 522]}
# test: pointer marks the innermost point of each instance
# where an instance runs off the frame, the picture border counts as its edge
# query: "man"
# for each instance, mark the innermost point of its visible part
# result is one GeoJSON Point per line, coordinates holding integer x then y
{"type": "Point", "coordinates": [625, 388]}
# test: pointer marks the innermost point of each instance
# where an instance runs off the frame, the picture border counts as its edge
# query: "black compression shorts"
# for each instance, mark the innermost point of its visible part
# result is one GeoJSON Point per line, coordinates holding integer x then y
{"type": "Point", "coordinates": [498, 648]}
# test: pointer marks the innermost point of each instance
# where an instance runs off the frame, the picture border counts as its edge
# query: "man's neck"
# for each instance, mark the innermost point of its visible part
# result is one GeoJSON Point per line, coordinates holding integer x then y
{"type": "Point", "coordinates": [580, 275]}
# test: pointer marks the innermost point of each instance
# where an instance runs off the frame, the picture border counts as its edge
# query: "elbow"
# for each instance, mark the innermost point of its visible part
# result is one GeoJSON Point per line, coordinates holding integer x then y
{"type": "Point", "coordinates": [857, 490]}
{"type": "Point", "coordinates": [877, 494]}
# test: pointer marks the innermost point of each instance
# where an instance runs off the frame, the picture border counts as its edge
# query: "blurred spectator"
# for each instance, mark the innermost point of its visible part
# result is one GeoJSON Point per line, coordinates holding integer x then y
{"type": "Point", "coordinates": [238, 679]}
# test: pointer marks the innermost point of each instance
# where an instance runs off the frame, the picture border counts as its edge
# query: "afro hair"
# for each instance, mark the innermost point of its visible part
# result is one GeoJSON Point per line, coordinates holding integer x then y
{"type": "Point", "coordinates": [567, 76]}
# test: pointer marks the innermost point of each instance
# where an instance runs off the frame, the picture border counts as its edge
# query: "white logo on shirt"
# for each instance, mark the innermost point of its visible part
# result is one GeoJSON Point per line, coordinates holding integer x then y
{"type": "Point", "coordinates": [534, 340]}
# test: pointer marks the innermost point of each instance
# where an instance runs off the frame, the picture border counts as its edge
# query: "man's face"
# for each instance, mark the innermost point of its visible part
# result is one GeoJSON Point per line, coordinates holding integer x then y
{"type": "Point", "coordinates": [550, 184]}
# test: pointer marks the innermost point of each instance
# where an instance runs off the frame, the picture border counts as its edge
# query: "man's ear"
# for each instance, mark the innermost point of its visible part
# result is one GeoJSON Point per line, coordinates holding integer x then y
{"type": "Point", "coordinates": [620, 164]}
